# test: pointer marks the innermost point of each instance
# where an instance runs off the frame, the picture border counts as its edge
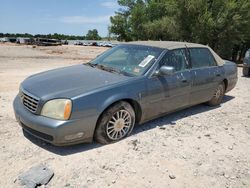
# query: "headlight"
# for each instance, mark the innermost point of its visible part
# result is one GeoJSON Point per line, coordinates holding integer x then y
{"type": "Point", "coordinates": [57, 109]}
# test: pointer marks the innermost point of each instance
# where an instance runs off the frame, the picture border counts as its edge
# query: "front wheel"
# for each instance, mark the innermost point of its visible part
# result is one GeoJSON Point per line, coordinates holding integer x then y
{"type": "Point", "coordinates": [218, 95]}
{"type": "Point", "coordinates": [115, 123]}
{"type": "Point", "coordinates": [246, 71]}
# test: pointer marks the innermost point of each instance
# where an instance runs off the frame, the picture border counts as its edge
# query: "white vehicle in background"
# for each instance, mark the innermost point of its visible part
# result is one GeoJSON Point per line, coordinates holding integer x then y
{"type": "Point", "coordinates": [106, 44]}
{"type": "Point", "coordinates": [21, 40]}
{"type": "Point", "coordinates": [8, 39]}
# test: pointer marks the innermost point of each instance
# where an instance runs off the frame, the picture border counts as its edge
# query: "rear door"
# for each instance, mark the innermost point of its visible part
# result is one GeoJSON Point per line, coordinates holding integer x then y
{"type": "Point", "coordinates": [205, 75]}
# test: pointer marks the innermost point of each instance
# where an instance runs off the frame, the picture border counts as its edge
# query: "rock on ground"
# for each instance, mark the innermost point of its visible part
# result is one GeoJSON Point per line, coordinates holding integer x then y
{"type": "Point", "coordinates": [36, 176]}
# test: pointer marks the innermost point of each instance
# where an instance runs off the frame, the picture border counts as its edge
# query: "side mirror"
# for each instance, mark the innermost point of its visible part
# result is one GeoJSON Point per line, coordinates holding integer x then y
{"type": "Point", "coordinates": [164, 71]}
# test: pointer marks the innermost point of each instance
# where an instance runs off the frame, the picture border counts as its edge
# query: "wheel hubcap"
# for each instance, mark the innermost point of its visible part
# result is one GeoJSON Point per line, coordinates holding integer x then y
{"type": "Point", "coordinates": [218, 92]}
{"type": "Point", "coordinates": [119, 125]}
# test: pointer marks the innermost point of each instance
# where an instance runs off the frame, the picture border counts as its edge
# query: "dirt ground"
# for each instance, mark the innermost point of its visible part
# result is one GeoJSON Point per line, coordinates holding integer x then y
{"type": "Point", "coordinates": [197, 147]}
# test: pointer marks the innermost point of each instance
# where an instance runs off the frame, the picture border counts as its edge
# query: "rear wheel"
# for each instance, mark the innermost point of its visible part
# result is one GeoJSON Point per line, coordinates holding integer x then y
{"type": "Point", "coordinates": [115, 123]}
{"type": "Point", "coordinates": [218, 95]}
{"type": "Point", "coordinates": [246, 71]}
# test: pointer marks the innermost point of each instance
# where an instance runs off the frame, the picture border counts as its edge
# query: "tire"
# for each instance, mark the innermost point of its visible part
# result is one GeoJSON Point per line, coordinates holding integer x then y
{"type": "Point", "coordinates": [218, 95]}
{"type": "Point", "coordinates": [246, 71]}
{"type": "Point", "coordinates": [115, 123]}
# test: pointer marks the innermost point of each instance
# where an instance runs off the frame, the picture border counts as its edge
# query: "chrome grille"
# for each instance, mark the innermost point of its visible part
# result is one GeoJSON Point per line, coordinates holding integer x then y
{"type": "Point", "coordinates": [30, 102]}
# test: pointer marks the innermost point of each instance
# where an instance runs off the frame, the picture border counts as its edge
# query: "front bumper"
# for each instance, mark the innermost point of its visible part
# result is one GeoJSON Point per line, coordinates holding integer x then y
{"type": "Point", "coordinates": [56, 132]}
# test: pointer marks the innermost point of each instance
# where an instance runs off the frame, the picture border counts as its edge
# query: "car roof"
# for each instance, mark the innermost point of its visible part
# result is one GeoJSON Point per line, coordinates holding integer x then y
{"type": "Point", "coordinates": [171, 45]}
{"type": "Point", "coordinates": [168, 44]}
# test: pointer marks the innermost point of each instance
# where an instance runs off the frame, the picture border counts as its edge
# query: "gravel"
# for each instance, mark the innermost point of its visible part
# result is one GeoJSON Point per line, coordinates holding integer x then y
{"type": "Point", "coordinates": [146, 158]}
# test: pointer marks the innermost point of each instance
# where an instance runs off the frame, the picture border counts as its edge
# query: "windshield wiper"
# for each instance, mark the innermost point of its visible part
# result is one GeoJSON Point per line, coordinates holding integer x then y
{"type": "Point", "coordinates": [109, 69]}
{"type": "Point", "coordinates": [90, 64]}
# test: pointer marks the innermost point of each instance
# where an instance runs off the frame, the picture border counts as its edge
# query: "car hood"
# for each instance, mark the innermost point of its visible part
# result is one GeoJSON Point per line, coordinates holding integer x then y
{"type": "Point", "coordinates": [69, 82]}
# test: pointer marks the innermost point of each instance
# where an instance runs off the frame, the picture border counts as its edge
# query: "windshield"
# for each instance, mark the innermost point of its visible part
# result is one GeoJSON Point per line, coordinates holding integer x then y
{"type": "Point", "coordinates": [131, 60]}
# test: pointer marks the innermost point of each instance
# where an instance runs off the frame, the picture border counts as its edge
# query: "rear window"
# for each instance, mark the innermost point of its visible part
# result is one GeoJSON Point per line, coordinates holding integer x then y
{"type": "Point", "coordinates": [201, 57]}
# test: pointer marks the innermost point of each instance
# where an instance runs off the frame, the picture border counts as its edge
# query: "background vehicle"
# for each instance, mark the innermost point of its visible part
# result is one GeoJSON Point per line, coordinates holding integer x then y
{"type": "Point", "coordinates": [47, 42]}
{"type": "Point", "coordinates": [246, 64]}
{"type": "Point", "coordinates": [127, 85]}
{"type": "Point", "coordinates": [78, 43]}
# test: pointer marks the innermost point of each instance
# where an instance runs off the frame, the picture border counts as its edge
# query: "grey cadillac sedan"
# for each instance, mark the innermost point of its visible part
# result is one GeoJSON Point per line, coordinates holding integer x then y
{"type": "Point", "coordinates": [129, 84]}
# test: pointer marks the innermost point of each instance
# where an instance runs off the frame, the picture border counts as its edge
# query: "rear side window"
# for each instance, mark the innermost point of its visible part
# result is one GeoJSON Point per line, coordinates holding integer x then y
{"type": "Point", "coordinates": [201, 57]}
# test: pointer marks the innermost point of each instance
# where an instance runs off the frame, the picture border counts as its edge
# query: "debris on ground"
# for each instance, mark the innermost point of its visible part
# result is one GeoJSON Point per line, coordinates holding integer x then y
{"type": "Point", "coordinates": [36, 176]}
{"type": "Point", "coordinates": [135, 144]}
{"type": "Point", "coordinates": [172, 176]}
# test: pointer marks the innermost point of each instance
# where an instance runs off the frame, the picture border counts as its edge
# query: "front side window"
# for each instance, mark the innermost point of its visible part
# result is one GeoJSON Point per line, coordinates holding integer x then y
{"type": "Point", "coordinates": [176, 59]}
{"type": "Point", "coordinates": [201, 57]}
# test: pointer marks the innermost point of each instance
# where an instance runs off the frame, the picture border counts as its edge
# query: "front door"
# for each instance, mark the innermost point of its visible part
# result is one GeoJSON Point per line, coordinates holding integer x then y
{"type": "Point", "coordinates": [170, 92]}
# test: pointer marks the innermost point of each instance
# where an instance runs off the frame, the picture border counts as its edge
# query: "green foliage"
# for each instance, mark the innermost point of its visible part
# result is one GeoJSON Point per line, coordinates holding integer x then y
{"type": "Point", "coordinates": [93, 35]}
{"type": "Point", "coordinates": [49, 36]}
{"type": "Point", "coordinates": [120, 27]}
{"type": "Point", "coordinates": [221, 24]}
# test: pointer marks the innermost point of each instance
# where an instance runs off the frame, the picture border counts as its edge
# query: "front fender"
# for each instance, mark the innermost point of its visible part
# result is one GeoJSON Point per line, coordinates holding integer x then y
{"type": "Point", "coordinates": [115, 98]}
{"type": "Point", "coordinates": [94, 103]}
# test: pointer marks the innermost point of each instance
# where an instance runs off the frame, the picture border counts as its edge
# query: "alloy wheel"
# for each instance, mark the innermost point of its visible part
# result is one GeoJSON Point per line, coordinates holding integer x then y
{"type": "Point", "coordinates": [119, 125]}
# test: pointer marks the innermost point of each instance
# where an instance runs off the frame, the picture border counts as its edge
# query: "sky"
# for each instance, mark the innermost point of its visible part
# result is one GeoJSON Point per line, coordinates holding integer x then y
{"type": "Point", "coordinates": [71, 17]}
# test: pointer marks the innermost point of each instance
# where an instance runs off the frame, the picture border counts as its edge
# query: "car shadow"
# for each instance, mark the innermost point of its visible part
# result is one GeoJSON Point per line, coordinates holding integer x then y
{"type": "Point", "coordinates": [61, 150]}
{"type": "Point", "coordinates": [170, 119]}
{"type": "Point", "coordinates": [166, 120]}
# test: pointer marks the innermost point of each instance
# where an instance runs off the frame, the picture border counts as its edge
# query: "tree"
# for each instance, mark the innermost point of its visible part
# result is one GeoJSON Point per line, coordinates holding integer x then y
{"type": "Point", "coordinates": [93, 35]}
{"type": "Point", "coordinates": [223, 25]}
{"type": "Point", "coordinates": [49, 36]}
{"type": "Point", "coordinates": [220, 24]}
{"type": "Point", "coordinates": [120, 27]}
{"type": "Point", "coordinates": [127, 23]}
